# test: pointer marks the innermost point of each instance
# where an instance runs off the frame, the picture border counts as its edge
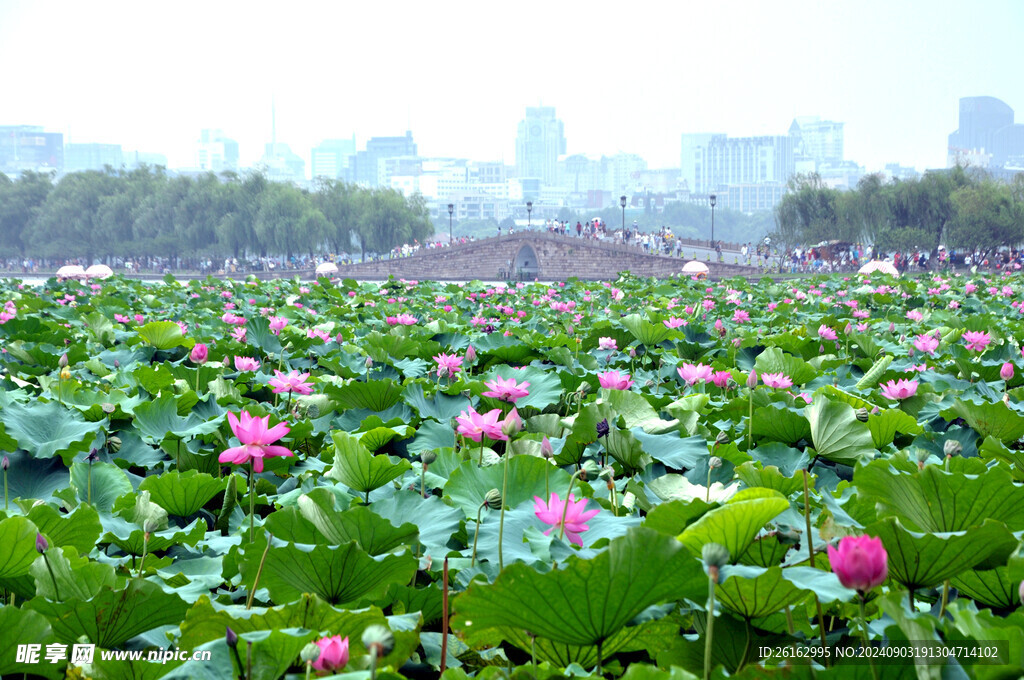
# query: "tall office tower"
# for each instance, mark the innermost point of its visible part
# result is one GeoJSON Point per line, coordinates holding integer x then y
{"type": "Point", "coordinates": [216, 152]}
{"type": "Point", "coordinates": [539, 143]}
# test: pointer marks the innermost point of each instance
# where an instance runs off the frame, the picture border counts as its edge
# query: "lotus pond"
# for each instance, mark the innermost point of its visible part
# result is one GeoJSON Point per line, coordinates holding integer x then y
{"type": "Point", "coordinates": [639, 479]}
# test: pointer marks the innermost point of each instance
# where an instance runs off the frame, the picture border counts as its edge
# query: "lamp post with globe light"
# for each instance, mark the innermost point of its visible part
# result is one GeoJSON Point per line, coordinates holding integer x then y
{"type": "Point", "coordinates": [622, 202]}
{"type": "Point", "coordinates": [714, 200]}
{"type": "Point", "coordinates": [529, 215]}
{"type": "Point", "coordinates": [451, 209]}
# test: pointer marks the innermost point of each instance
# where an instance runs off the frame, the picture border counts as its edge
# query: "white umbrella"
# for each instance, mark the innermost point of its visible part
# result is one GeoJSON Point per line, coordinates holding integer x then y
{"type": "Point", "coordinates": [695, 267]}
{"type": "Point", "coordinates": [99, 271]}
{"type": "Point", "coordinates": [327, 268]}
{"type": "Point", "coordinates": [71, 271]}
{"type": "Point", "coordinates": [879, 266]}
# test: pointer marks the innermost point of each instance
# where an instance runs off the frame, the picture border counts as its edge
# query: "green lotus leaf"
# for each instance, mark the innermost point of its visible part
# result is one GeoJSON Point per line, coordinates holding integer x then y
{"type": "Point", "coordinates": [375, 395]}
{"type": "Point", "coordinates": [130, 538]}
{"type": "Point", "coordinates": [527, 477]}
{"type": "Point", "coordinates": [80, 528]}
{"type": "Point", "coordinates": [774, 360]}
{"type": "Point", "coordinates": [922, 560]}
{"type": "Point", "coordinates": [506, 349]}
{"type": "Point", "coordinates": [887, 424]}
{"type": "Point", "coordinates": [837, 434]}
{"type": "Point", "coordinates": [49, 429]}
{"type": "Point", "coordinates": [442, 407]}
{"type": "Point", "coordinates": [989, 588]}
{"type": "Point", "coordinates": [935, 500]}
{"type": "Point", "coordinates": [182, 493]}
{"type": "Point", "coordinates": [65, 575]}
{"type": "Point", "coordinates": [158, 419]}
{"type": "Point", "coordinates": [638, 570]}
{"type": "Point", "coordinates": [989, 419]}
{"type": "Point", "coordinates": [437, 522]}
{"type": "Point", "coordinates": [28, 625]}
{"type": "Point", "coordinates": [357, 468]}
{"type": "Point", "coordinates": [108, 482]}
{"type": "Point", "coordinates": [780, 423]}
{"type": "Point", "coordinates": [164, 335]}
{"type": "Point", "coordinates": [343, 575]}
{"type": "Point", "coordinates": [18, 536]}
{"type": "Point", "coordinates": [112, 617]}
{"type": "Point", "coordinates": [257, 334]}
{"type": "Point", "coordinates": [753, 474]}
{"type": "Point", "coordinates": [644, 331]}
{"type": "Point", "coordinates": [370, 531]}
{"type": "Point", "coordinates": [735, 524]}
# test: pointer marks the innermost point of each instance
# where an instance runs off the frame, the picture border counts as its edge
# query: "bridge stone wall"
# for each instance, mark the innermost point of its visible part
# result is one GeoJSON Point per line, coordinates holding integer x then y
{"type": "Point", "coordinates": [530, 255]}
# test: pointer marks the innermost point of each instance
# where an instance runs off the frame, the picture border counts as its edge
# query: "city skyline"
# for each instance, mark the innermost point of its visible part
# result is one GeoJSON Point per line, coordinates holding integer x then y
{"type": "Point", "coordinates": [622, 81]}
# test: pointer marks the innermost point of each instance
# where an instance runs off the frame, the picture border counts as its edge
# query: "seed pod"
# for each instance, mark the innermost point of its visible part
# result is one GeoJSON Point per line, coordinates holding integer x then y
{"type": "Point", "coordinates": [722, 439]}
{"type": "Point", "coordinates": [379, 638]}
{"type": "Point", "coordinates": [493, 499]}
{"type": "Point", "coordinates": [113, 444]}
{"type": "Point", "coordinates": [427, 457]}
{"type": "Point", "coordinates": [589, 470]}
{"type": "Point", "coordinates": [862, 414]}
{"type": "Point", "coordinates": [952, 448]}
{"type": "Point", "coordinates": [714, 462]}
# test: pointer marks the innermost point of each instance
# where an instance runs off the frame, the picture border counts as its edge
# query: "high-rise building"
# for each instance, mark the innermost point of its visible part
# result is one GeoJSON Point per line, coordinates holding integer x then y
{"type": "Point", "coordinates": [713, 162]}
{"type": "Point", "coordinates": [78, 157]}
{"type": "Point", "coordinates": [365, 169]}
{"type": "Point", "coordinates": [986, 128]}
{"type": "Point", "coordinates": [623, 172]}
{"type": "Point", "coordinates": [216, 152]}
{"type": "Point", "coordinates": [817, 139]}
{"type": "Point", "coordinates": [539, 143]}
{"type": "Point", "coordinates": [27, 147]}
{"type": "Point", "coordinates": [332, 158]}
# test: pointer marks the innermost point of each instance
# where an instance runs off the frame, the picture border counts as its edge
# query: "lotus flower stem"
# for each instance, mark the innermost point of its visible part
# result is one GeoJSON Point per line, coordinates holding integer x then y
{"type": "Point", "coordinates": [480, 463]}
{"type": "Point", "coordinates": [945, 598]}
{"type": "Point", "coordinates": [88, 487]}
{"type": "Point", "coordinates": [476, 535]}
{"type": "Point", "coordinates": [444, 616]}
{"type": "Point", "coordinates": [565, 507]}
{"type": "Point", "coordinates": [750, 422]}
{"type": "Point", "coordinates": [707, 495]}
{"type": "Point", "coordinates": [259, 572]}
{"type": "Point", "coordinates": [5, 487]}
{"type": "Point", "coordinates": [252, 500]}
{"type": "Point", "coordinates": [248, 660]}
{"type": "Point", "coordinates": [789, 620]}
{"type": "Point", "coordinates": [710, 630]}
{"type": "Point", "coordinates": [810, 553]}
{"type": "Point", "coordinates": [198, 368]}
{"type": "Point", "coordinates": [501, 521]}
{"type": "Point", "coordinates": [46, 561]}
{"type": "Point", "coordinates": [373, 662]}
{"type": "Point", "coordinates": [533, 649]}
{"type": "Point", "coordinates": [864, 631]}
{"type": "Point", "coordinates": [145, 549]}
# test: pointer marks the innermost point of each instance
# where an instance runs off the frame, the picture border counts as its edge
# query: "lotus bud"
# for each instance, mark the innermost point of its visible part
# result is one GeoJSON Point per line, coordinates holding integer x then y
{"type": "Point", "coordinates": [512, 424]}
{"type": "Point", "coordinates": [545, 448]}
{"type": "Point", "coordinates": [952, 448]}
{"type": "Point", "coordinates": [722, 438]}
{"type": "Point", "coordinates": [199, 353]}
{"type": "Point", "coordinates": [1020, 592]}
{"type": "Point", "coordinates": [892, 327]}
{"type": "Point", "coordinates": [848, 328]}
{"type": "Point", "coordinates": [493, 499]}
{"type": "Point", "coordinates": [427, 457]}
{"type": "Point", "coordinates": [369, 362]}
{"type": "Point", "coordinates": [714, 462]}
{"type": "Point", "coordinates": [632, 353]}
{"type": "Point", "coordinates": [715, 557]}
{"type": "Point", "coordinates": [752, 379]}
{"type": "Point", "coordinates": [862, 414]}
{"type": "Point", "coordinates": [1006, 372]}
{"type": "Point", "coordinates": [602, 428]}
{"type": "Point", "coordinates": [113, 444]}
{"type": "Point", "coordinates": [41, 544]}
{"type": "Point", "coordinates": [5, 464]}
{"type": "Point", "coordinates": [589, 470]}
{"type": "Point", "coordinates": [63, 361]}
{"type": "Point", "coordinates": [231, 637]}
{"type": "Point", "coordinates": [470, 354]}
{"type": "Point", "coordinates": [117, 364]}
{"type": "Point", "coordinates": [378, 638]}
{"type": "Point", "coordinates": [309, 653]}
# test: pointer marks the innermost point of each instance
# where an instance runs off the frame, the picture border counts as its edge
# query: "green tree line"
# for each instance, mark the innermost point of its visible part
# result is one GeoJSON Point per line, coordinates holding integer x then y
{"type": "Point", "coordinates": [146, 212]}
{"type": "Point", "coordinates": [961, 208]}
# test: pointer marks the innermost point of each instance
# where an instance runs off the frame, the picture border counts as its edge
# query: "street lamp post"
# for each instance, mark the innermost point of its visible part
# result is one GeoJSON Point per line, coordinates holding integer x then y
{"type": "Point", "coordinates": [451, 209]}
{"type": "Point", "coordinates": [622, 202]}
{"type": "Point", "coordinates": [529, 215]}
{"type": "Point", "coordinates": [714, 199]}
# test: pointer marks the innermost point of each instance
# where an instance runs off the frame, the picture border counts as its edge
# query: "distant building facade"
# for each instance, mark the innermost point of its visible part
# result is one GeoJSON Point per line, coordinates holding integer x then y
{"type": "Point", "coordinates": [365, 168]}
{"type": "Point", "coordinates": [28, 147]}
{"type": "Point", "coordinates": [332, 158]}
{"type": "Point", "coordinates": [818, 140]}
{"type": "Point", "coordinates": [79, 157]}
{"type": "Point", "coordinates": [540, 140]}
{"type": "Point", "coordinates": [216, 152]}
{"type": "Point", "coordinates": [987, 135]}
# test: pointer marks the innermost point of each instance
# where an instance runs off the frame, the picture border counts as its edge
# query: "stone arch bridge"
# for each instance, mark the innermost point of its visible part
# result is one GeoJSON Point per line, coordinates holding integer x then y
{"type": "Point", "coordinates": [530, 255]}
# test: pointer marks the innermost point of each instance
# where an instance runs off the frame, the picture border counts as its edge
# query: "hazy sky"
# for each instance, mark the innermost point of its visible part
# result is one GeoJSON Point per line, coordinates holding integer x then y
{"type": "Point", "coordinates": [627, 77]}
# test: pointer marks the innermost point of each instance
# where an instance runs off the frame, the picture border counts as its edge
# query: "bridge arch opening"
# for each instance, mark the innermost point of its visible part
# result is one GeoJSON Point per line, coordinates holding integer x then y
{"type": "Point", "coordinates": [526, 265]}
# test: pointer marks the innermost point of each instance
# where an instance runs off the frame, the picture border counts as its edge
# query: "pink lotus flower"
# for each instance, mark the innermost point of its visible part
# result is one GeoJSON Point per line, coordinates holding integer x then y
{"type": "Point", "coordinates": [740, 316]}
{"type": "Point", "coordinates": [926, 343]}
{"type": "Point", "coordinates": [292, 382]}
{"type": "Point", "coordinates": [694, 374]}
{"type": "Point", "coordinates": [721, 378]}
{"type": "Point", "coordinates": [256, 439]}
{"type": "Point", "coordinates": [277, 324]}
{"type": "Point", "coordinates": [239, 334]}
{"type": "Point", "coordinates": [613, 380]}
{"type": "Point", "coordinates": [121, 318]}
{"type": "Point", "coordinates": [977, 341]}
{"type": "Point", "coordinates": [860, 562]}
{"type": "Point", "coordinates": [674, 322]}
{"type": "Point", "coordinates": [777, 380]}
{"type": "Point", "coordinates": [476, 425]}
{"type": "Point", "coordinates": [199, 353]}
{"type": "Point", "coordinates": [448, 364]}
{"type": "Point", "coordinates": [915, 315]}
{"type": "Point", "coordinates": [1006, 371]}
{"type": "Point", "coordinates": [406, 320]}
{"type": "Point", "coordinates": [970, 288]}
{"type": "Point", "coordinates": [575, 515]}
{"type": "Point", "coordinates": [826, 333]}
{"type": "Point", "coordinates": [333, 653]}
{"type": "Point", "coordinates": [246, 364]}
{"type": "Point", "coordinates": [899, 389]}
{"type": "Point", "coordinates": [607, 343]}
{"type": "Point", "coordinates": [506, 390]}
